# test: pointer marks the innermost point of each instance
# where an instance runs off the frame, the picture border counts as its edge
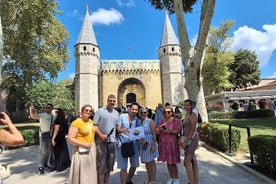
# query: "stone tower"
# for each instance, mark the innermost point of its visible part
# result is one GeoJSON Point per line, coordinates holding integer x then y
{"type": "Point", "coordinates": [170, 65]}
{"type": "Point", "coordinates": [87, 54]}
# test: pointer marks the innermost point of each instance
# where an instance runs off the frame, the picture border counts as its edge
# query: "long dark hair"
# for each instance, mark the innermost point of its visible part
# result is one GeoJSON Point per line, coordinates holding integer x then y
{"type": "Point", "coordinates": [190, 102]}
{"type": "Point", "coordinates": [60, 119]}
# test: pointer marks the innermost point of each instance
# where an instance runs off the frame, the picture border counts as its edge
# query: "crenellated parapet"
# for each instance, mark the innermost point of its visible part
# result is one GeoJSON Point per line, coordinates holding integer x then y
{"type": "Point", "coordinates": [128, 66]}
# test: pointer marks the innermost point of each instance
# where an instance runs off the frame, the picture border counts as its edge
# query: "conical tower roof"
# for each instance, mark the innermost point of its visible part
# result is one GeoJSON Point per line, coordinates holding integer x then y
{"type": "Point", "coordinates": [87, 33]}
{"type": "Point", "coordinates": [168, 37]}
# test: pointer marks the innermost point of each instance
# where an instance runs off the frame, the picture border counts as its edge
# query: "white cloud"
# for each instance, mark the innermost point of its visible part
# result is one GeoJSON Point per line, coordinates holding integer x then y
{"type": "Point", "coordinates": [106, 17]}
{"type": "Point", "coordinates": [272, 76]}
{"type": "Point", "coordinates": [127, 3]}
{"type": "Point", "coordinates": [263, 43]}
{"type": "Point", "coordinates": [71, 75]}
{"type": "Point", "coordinates": [74, 13]}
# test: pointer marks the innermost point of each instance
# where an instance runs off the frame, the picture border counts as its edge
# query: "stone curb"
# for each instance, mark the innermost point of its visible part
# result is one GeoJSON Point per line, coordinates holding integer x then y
{"type": "Point", "coordinates": [241, 165]}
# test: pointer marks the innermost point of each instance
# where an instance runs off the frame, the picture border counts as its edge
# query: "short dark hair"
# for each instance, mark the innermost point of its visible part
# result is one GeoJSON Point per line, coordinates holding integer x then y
{"type": "Point", "coordinates": [189, 101]}
{"type": "Point", "coordinates": [49, 104]}
{"type": "Point", "coordinates": [134, 103]}
{"type": "Point", "coordinates": [167, 104]}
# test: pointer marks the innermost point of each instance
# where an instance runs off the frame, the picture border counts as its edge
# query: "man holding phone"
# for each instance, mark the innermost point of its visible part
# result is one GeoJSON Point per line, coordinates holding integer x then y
{"type": "Point", "coordinates": [46, 154]}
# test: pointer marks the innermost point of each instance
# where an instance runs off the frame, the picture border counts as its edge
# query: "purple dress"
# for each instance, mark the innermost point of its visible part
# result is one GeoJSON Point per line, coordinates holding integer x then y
{"type": "Point", "coordinates": [168, 144]}
{"type": "Point", "coordinates": [186, 126]}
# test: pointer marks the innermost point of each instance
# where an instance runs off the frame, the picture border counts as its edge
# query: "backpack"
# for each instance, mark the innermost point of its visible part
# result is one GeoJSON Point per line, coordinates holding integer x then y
{"type": "Point", "coordinates": [199, 119]}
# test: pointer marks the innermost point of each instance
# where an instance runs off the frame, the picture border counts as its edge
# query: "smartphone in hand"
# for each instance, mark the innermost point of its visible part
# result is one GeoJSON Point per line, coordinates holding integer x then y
{"type": "Point", "coordinates": [145, 146]}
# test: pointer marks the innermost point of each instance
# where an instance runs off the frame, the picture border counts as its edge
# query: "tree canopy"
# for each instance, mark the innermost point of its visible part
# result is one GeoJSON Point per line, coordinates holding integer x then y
{"type": "Point", "coordinates": [215, 69]}
{"type": "Point", "coordinates": [169, 5]}
{"type": "Point", "coordinates": [192, 56]}
{"type": "Point", "coordinates": [244, 70]}
{"type": "Point", "coordinates": [35, 42]}
{"type": "Point", "coordinates": [43, 92]}
{"type": "Point", "coordinates": [35, 46]}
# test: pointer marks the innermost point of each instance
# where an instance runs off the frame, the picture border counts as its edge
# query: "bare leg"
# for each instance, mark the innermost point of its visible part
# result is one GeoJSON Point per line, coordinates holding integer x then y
{"type": "Point", "coordinates": [101, 179]}
{"type": "Point", "coordinates": [152, 170]}
{"type": "Point", "coordinates": [131, 173]}
{"type": "Point", "coordinates": [123, 176]}
{"type": "Point", "coordinates": [148, 170]}
{"type": "Point", "coordinates": [175, 171]}
{"type": "Point", "coordinates": [189, 168]}
{"type": "Point", "coordinates": [195, 168]}
{"type": "Point", "coordinates": [169, 166]}
{"type": "Point", "coordinates": [106, 177]}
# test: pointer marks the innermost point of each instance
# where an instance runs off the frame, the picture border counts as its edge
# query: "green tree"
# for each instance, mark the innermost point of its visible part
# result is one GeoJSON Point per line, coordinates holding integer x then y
{"type": "Point", "coordinates": [192, 55]}
{"type": "Point", "coordinates": [215, 70]}
{"type": "Point", "coordinates": [43, 92]}
{"type": "Point", "coordinates": [64, 94]}
{"type": "Point", "coordinates": [244, 70]}
{"type": "Point", "coordinates": [35, 42]}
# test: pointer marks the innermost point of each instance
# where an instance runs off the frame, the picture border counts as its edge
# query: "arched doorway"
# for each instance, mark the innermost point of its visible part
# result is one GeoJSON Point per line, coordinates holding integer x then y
{"type": "Point", "coordinates": [131, 90]}
{"type": "Point", "coordinates": [130, 98]}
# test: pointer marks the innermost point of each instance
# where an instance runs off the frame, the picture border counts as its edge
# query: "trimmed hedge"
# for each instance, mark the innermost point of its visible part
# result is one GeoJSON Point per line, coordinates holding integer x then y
{"type": "Point", "coordinates": [241, 114]}
{"type": "Point", "coordinates": [31, 137]}
{"type": "Point", "coordinates": [263, 148]}
{"type": "Point", "coordinates": [218, 136]}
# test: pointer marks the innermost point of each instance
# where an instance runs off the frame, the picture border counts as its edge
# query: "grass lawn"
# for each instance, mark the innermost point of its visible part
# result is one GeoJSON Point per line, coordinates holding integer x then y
{"type": "Point", "coordinates": [263, 126]}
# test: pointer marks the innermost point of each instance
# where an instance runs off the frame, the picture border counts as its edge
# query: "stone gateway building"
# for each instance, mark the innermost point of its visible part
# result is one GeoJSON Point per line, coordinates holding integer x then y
{"type": "Point", "coordinates": [147, 82]}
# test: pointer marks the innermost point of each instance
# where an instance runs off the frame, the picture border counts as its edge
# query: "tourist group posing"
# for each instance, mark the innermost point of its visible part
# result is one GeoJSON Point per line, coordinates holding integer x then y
{"type": "Point", "coordinates": [130, 138]}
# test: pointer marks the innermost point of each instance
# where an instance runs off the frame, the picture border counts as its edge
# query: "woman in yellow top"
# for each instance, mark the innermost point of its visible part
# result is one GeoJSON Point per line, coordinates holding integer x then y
{"type": "Point", "coordinates": [81, 135]}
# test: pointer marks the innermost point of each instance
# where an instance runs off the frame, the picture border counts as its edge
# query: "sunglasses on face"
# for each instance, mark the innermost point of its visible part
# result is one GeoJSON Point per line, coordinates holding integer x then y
{"type": "Point", "coordinates": [87, 110]}
{"type": "Point", "coordinates": [167, 112]}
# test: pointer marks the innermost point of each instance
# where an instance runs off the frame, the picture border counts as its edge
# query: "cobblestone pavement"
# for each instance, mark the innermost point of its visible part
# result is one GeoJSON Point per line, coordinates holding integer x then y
{"type": "Point", "coordinates": [213, 168]}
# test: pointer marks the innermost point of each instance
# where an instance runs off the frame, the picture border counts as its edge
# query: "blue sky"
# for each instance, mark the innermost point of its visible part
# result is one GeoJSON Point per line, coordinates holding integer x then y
{"type": "Point", "coordinates": [121, 24]}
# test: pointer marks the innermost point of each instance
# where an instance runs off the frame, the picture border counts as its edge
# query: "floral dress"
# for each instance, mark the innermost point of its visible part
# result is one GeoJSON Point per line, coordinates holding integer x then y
{"type": "Point", "coordinates": [168, 144]}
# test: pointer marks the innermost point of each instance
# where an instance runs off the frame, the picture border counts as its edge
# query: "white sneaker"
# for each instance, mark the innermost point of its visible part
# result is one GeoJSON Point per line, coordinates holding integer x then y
{"type": "Point", "coordinates": [176, 181]}
{"type": "Point", "coordinates": [4, 171]}
{"type": "Point", "coordinates": [170, 181]}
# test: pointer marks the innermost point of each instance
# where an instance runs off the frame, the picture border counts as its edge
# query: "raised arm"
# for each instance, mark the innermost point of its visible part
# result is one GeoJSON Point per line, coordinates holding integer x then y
{"type": "Point", "coordinates": [12, 138]}
{"type": "Point", "coordinates": [33, 115]}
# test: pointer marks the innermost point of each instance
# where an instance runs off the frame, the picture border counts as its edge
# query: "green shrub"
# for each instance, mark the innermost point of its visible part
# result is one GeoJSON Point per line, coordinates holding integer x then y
{"type": "Point", "coordinates": [218, 136]}
{"type": "Point", "coordinates": [263, 148]}
{"type": "Point", "coordinates": [31, 137]}
{"type": "Point", "coordinates": [241, 114]}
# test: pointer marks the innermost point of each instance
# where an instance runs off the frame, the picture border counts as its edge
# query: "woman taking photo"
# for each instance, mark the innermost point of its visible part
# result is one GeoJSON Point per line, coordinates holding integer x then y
{"type": "Point", "coordinates": [81, 134]}
{"type": "Point", "coordinates": [168, 146]}
{"type": "Point", "coordinates": [189, 142]}
{"type": "Point", "coordinates": [148, 146]}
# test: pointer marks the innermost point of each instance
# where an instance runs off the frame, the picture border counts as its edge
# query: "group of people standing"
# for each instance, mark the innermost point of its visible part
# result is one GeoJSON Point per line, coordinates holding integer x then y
{"type": "Point", "coordinates": [53, 153]}
{"type": "Point", "coordinates": [98, 142]}
{"type": "Point", "coordinates": [176, 134]}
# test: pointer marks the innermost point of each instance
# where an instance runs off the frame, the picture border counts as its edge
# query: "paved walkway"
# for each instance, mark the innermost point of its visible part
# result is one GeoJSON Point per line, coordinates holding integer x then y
{"type": "Point", "coordinates": [213, 168]}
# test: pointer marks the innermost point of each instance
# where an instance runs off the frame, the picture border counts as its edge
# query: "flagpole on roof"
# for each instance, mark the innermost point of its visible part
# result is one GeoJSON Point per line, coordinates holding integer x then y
{"type": "Point", "coordinates": [129, 51]}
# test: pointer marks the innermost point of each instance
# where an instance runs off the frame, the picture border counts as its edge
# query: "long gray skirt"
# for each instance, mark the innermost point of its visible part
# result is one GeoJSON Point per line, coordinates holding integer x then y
{"type": "Point", "coordinates": [83, 167]}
